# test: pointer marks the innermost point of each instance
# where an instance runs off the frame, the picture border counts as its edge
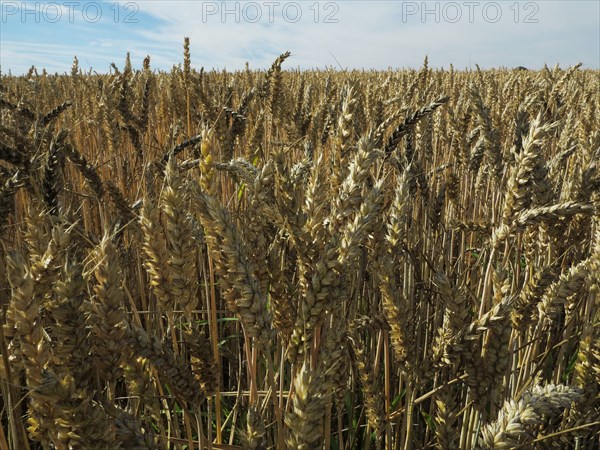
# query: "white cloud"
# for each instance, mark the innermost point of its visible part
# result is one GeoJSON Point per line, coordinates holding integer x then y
{"type": "Point", "coordinates": [380, 34]}
{"type": "Point", "coordinates": [353, 34]}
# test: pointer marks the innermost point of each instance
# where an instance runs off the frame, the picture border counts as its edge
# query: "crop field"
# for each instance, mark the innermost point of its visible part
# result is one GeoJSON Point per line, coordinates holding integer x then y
{"type": "Point", "coordinates": [287, 259]}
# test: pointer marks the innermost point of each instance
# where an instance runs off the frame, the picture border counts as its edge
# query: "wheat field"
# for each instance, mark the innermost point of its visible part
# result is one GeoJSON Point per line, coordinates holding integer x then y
{"type": "Point", "coordinates": [277, 259]}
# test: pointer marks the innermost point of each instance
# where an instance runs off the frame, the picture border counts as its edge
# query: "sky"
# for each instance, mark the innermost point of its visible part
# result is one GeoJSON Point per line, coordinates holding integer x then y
{"type": "Point", "coordinates": [342, 34]}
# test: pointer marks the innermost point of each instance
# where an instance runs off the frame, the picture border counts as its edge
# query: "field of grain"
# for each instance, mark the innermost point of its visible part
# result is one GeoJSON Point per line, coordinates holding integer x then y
{"type": "Point", "coordinates": [300, 259]}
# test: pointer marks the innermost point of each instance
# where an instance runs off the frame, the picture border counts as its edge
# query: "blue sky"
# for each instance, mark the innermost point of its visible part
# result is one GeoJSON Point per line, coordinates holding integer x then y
{"type": "Point", "coordinates": [342, 33]}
